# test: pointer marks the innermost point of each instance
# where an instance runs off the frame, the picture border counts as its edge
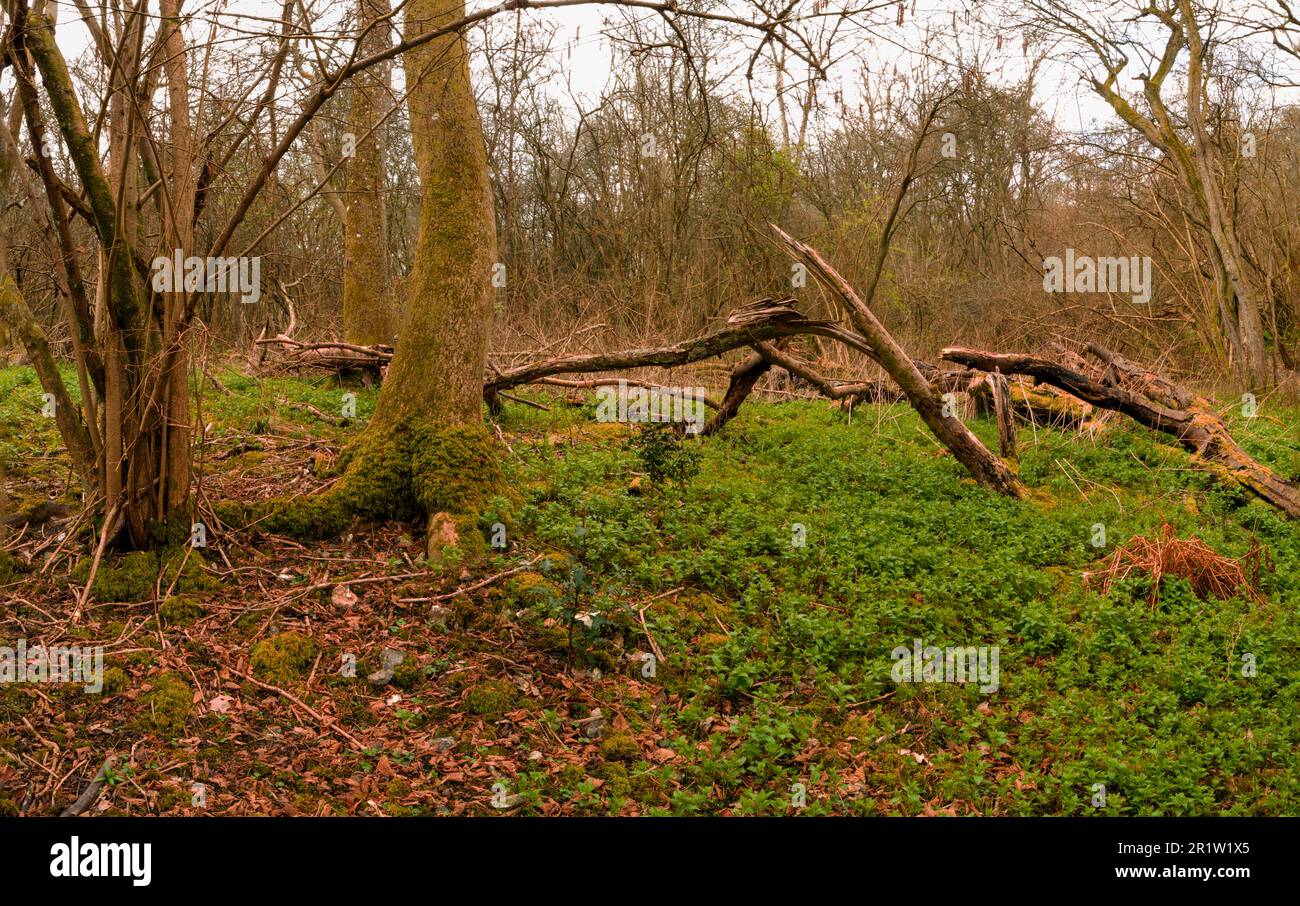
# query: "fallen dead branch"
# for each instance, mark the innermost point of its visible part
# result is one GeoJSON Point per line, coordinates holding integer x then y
{"type": "Point", "coordinates": [482, 583]}
{"type": "Point", "coordinates": [1154, 401]}
{"type": "Point", "coordinates": [765, 319]}
{"type": "Point", "coordinates": [748, 372]}
{"type": "Point", "coordinates": [1001, 393]}
{"type": "Point", "coordinates": [91, 793]}
{"type": "Point", "coordinates": [962, 380]}
{"type": "Point", "coordinates": [328, 723]}
{"type": "Point", "coordinates": [604, 382]}
{"type": "Point", "coordinates": [986, 468]}
{"type": "Point", "coordinates": [339, 358]}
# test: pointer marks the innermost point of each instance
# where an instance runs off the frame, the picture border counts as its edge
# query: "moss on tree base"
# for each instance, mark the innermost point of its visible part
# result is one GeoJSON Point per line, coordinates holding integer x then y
{"type": "Point", "coordinates": [138, 576]}
{"type": "Point", "coordinates": [416, 468]}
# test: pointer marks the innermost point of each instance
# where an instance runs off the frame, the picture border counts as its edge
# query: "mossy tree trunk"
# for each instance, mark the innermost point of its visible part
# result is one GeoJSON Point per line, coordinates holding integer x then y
{"type": "Point", "coordinates": [427, 452]}
{"type": "Point", "coordinates": [1193, 157]}
{"type": "Point", "coordinates": [80, 434]}
{"type": "Point", "coordinates": [178, 229]}
{"type": "Point", "coordinates": [19, 320]}
{"type": "Point", "coordinates": [368, 315]}
{"type": "Point", "coordinates": [437, 371]}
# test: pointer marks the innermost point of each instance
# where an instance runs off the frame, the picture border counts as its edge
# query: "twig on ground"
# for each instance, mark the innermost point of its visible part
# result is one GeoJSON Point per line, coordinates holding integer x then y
{"type": "Point", "coordinates": [468, 588]}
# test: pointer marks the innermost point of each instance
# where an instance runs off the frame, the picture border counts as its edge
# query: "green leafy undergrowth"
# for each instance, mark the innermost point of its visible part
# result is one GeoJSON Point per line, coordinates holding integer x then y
{"type": "Point", "coordinates": [808, 549]}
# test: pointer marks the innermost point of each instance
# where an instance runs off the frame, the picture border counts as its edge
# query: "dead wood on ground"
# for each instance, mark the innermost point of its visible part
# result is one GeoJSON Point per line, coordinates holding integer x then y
{"type": "Point", "coordinates": [1152, 400]}
{"type": "Point", "coordinates": [885, 351]}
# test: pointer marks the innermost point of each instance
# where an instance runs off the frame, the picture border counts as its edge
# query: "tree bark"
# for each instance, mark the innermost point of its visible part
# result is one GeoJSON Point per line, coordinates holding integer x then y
{"type": "Point", "coordinates": [437, 369]}
{"type": "Point", "coordinates": [748, 372]}
{"type": "Point", "coordinates": [1192, 164]}
{"type": "Point", "coordinates": [368, 316]}
{"type": "Point", "coordinates": [762, 320]}
{"type": "Point", "coordinates": [139, 377]}
{"type": "Point", "coordinates": [426, 450]}
{"type": "Point", "coordinates": [178, 226]}
{"type": "Point", "coordinates": [1002, 411]}
{"type": "Point", "coordinates": [15, 315]}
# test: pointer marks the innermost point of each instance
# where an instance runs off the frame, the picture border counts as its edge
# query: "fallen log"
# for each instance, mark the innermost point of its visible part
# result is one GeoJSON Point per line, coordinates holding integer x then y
{"type": "Point", "coordinates": [744, 376]}
{"type": "Point", "coordinates": [1045, 405]}
{"type": "Point", "coordinates": [756, 322]}
{"type": "Point", "coordinates": [91, 794]}
{"type": "Point", "coordinates": [750, 325]}
{"type": "Point", "coordinates": [1001, 392]}
{"type": "Point", "coordinates": [1159, 404]}
{"type": "Point", "coordinates": [604, 382]}
{"type": "Point", "coordinates": [835, 390]}
{"type": "Point", "coordinates": [340, 358]}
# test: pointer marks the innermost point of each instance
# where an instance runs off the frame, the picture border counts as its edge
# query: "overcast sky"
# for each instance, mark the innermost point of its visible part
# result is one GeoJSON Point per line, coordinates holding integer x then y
{"type": "Point", "coordinates": [583, 48]}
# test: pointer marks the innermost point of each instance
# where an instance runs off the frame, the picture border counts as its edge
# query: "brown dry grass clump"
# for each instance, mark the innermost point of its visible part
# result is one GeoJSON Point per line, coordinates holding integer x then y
{"type": "Point", "coordinates": [1208, 573]}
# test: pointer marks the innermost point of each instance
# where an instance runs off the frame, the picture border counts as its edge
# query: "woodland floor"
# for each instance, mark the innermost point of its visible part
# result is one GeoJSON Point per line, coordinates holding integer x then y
{"type": "Point", "coordinates": [775, 666]}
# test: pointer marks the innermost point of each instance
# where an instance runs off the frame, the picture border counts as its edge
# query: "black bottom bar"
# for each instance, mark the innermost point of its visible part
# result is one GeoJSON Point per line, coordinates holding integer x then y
{"type": "Point", "coordinates": [768, 856]}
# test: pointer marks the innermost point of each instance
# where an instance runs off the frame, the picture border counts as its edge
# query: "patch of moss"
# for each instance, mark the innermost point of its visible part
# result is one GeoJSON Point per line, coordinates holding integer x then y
{"type": "Point", "coordinates": [10, 567]}
{"type": "Point", "coordinates": [454, 540]}
{"type": "Point", "coordinates": [694, 612]}
{"type": "Point", "coordinates": [527, 589]}
{"type": "Point", "coordinates": [491, 699]}
{"type": "Point", "coordinates": [136, 576]}
{"type": "Point", "coordinates": [187, 572]}
{"type": "Point", "coordinates": [115, 680]}
{"type": "Point", "coordinates": [556, 564]}
{"type": "Point", "coordinates": [417, 468]}
{"type": "Point", "coordinates": [617, 783]}
{"type": "Point", "coordinates": [8, 808]}
{"type": "Point", "coordinates": [282, 659]}
{"type": "Point", "coordinates": [572, 774]}
{"type": "Point", "coordinates": [132, 578]}
{"type": "Point", "coordinates": [473, 614]}
{"type": "Point", "coordinates": [408, 674]}
{"type": "Point", "coordinates": [454, 469]}
{"type": "Point", "coordinates": [179, 610]}
{"type": "Point", "coordinates": [620, 747]}
{"type": "Point", "coordinates": [168, 704]}
{"type": "Point", "coordinates": [172, 797]}
{"type": "Point", "coordinates": [858, 730]}
{"type": "Point", "coordinates": [550, 638]}
{"type": "Point", "coordinates": [711, 641]}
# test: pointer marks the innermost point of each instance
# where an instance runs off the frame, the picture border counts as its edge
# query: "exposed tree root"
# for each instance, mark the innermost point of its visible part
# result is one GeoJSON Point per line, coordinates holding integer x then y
{"type": "Point", "coordinates": [445, 474]}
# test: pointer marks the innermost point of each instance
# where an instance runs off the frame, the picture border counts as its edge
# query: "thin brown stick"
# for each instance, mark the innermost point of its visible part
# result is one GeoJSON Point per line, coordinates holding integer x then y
{"type": "Point", "coordinates": [328, 722]}
{"type": "Point", "coordinates": [107, 532]}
